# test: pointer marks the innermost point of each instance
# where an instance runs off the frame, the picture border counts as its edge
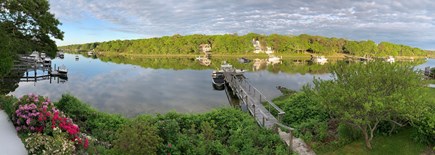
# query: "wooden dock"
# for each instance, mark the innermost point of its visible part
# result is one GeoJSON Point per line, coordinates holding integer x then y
{"type": "Point", "coordinates": [253, 99]}
{"type": "Point", "coordinates": [261, 108]}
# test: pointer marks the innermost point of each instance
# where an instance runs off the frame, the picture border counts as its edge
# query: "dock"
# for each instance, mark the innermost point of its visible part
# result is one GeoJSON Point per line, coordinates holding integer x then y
{"type": "Point", "coordinates": [262, 109]}
{"type": "Point", "coordinates": [30, 71]}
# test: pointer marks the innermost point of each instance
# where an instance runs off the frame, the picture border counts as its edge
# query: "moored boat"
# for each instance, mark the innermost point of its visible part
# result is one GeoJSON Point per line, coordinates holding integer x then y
{"type": "Point", "coordinates": [244, 60]}
{"type": "Point", "coordinates": [62, 70]}
{"type": "Point", "coordinates": [218, 80]}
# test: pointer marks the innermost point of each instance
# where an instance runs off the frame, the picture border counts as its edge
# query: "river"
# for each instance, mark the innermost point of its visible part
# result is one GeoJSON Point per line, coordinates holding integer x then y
{"type": "Point", "coordinates": [131, 86]}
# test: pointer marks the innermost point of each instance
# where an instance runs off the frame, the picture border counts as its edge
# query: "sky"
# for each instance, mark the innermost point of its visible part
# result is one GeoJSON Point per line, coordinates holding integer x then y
{"type": "Point", "coordinates": [409, 22]}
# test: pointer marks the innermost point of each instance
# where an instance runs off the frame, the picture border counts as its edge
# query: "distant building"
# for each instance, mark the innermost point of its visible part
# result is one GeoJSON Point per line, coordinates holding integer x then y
{"type": "Point", "coordinates": [205, 48]}
{"type": "Point", "coordinates": [257, 46]}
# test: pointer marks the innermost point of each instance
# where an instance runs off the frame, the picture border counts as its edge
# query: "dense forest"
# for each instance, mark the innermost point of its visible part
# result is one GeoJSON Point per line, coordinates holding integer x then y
{"type": "Point", "coordinates": [242, 44]}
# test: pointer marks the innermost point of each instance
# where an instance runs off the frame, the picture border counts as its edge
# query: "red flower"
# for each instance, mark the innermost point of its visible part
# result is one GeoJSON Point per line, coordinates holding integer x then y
{"type": "Point", "coordinates": [86, 143]}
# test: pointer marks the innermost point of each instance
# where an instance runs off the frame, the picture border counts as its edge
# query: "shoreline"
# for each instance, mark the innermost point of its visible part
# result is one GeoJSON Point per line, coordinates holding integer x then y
{"type": "Point", "coordinates": [248, 55]}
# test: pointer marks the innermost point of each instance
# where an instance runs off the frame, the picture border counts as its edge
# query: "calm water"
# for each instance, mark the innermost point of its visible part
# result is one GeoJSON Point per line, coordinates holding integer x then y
{"type": "Point", "coordinates": [156, 85]}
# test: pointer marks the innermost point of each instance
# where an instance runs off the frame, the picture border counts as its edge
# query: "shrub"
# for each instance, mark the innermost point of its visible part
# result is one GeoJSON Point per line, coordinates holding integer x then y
{"type": "Point", "coordinates": [306, 116]}
{"type": "Point", "coordinates": [37, 114]}
{"type": "Point", "coordinates": [102, 126]}
{"type": "Point", "coordinates": [32, 113]}
{"type": "Point", "coordinates": [38, 143]}
{"type": "Point", "coordinates": [145, 141]}
{"type": "Point", "coordinates": [7, 104]}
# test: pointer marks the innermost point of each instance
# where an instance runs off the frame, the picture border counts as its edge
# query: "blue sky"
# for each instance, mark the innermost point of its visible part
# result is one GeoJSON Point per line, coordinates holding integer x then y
{"type": "Point", "coordinates": [399, 21]}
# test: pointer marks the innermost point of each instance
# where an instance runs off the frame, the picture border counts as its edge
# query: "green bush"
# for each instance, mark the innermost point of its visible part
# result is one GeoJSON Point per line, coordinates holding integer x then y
{"type": "Point", "coordinates": [306, 116]}
{"type": "Point", "coordinates": [7, 104]}
{"type": "Point", "coordinates": [224, 131]}
{"type": "Point", "coordinates": [102, 126]}
{"type": "Point", "coordinates": [138, 137]}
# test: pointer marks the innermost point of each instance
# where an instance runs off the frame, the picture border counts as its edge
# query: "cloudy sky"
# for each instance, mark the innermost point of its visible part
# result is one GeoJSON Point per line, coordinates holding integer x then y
{"type": "Point", "coordinates": [410, 22]}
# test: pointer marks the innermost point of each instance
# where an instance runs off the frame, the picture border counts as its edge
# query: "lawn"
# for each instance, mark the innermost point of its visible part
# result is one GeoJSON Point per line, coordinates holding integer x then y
{"type": "Point", "coordinates": [397, 144]}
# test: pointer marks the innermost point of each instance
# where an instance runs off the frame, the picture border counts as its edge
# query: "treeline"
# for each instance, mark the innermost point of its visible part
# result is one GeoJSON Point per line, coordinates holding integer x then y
{"type": "Point", "coordinates": [242, 44]}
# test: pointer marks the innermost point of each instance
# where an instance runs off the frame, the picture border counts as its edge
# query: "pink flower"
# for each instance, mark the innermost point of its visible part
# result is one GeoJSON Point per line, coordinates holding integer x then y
{"type": "Point", "coordinates": [28, 121]}
{"type": "Point", "coordinates": [18, 128]}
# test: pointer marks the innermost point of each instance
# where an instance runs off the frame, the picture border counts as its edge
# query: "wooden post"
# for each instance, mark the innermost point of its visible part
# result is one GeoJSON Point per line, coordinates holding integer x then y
{"type": "Point", "coordinates": [253, 105]}
{"type": "Point", "coordinates": [290, 144]}
{"type": "Point", "coordinates": [263, 120]}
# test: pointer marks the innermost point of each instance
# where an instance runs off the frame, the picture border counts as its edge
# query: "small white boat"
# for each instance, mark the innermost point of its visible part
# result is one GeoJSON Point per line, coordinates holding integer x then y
{"type": "Point", "coordinates": [47, 62]}
{"type": "Point", "coordinates": [43, 55]}
{"type": "Point", "coordinates": [90, 53]}
{"type": "Point", "coordinates": [62, 69]}
{"type": "Point", "coordinates": [60, 54]}
{"type": "Point", "coordinates": [390, 59]}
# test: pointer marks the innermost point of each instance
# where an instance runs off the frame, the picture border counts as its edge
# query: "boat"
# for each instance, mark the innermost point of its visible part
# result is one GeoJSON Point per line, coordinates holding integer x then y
{"type": "Point", "coordinates": [43, 55]}
{"type": "Point", "coordinates": [35, 57]}
{"type": "Point", "coordinates": [225, 67]}
{"type": "Point", "coordinates": [218, 80]}
{"type": "Point", "coordinates": [77, 57]}
{"type": "Point", "coordinates": [61, 55]}
{"type": "Point", "coordinates": [47, 62]}
{"type": "Point", "coordinates": [320, 60]}
{"type": "Point", "coordinates": [62, 70]}
{"type": "Point", "coordinates": [244, 60]}
{"type": "Point", "coordinates": [90, 53]}
{"type": "Point", "coordinates": [390, 59]}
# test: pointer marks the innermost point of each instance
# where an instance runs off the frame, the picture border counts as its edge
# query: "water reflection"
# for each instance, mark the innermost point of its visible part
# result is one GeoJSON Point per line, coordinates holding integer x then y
{"type": "Point", "coordinates": [118, 85]}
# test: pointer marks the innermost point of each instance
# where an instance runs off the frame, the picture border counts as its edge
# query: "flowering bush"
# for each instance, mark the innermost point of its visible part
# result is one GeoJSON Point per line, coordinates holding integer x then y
{"type": "Point", "coordinates": [31, 113]}
{"type": "Point", "coordinates": [38, 143]}
{"type": "Point", "coordinates": [36, 114]}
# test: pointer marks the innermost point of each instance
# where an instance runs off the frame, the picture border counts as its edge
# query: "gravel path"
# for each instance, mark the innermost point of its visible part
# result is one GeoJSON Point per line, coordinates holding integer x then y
{"type": "Point", "coordinates": [10, 143]}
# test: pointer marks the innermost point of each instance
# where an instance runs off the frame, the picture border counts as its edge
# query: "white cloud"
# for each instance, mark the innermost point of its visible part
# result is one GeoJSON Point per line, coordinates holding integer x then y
{"type": "Point", "coordinates": [341, 17]}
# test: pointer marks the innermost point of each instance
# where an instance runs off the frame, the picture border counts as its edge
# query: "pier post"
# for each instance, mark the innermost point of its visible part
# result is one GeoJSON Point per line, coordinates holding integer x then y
{"type": "Point", "coordinates": [290, 138]}
{"type": "Point", "coordinates": [263, 121]}
{"type": "Point", "coordinates": [253, 105]}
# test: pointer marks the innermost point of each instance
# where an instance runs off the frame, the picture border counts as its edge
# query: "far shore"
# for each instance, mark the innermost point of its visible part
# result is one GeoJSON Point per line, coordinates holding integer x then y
{"type": "Point", "coordinates": [247, 55]}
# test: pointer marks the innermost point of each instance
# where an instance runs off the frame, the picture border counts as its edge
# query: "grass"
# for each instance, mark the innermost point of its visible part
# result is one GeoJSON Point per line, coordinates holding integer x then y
{"type": "Point", "coordinates": [432, 81]}
{"type": "Point", "coordinates": [398, 144]}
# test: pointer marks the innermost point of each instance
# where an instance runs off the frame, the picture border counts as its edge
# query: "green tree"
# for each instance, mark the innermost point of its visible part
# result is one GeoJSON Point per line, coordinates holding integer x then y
{"type": "Point", "coordinates": [366, 95]}
{"type": "Point", "coordinates": [25, 26]}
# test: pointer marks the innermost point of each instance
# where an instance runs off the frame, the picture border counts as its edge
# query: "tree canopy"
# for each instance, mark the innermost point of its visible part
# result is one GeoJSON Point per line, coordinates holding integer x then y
{"type": "Point", "coordinates": [26, 26]}
{"type": "Point", "coordinates": [365, 96]}
{"type": "Point", "coordinates": [242, 44]}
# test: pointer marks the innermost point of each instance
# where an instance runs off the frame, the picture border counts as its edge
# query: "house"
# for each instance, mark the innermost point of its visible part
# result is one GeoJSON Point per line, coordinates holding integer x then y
{"type": "Point", "coordinates": [257, 46]}
{"type": "Point", "coordinates": [206, 48]}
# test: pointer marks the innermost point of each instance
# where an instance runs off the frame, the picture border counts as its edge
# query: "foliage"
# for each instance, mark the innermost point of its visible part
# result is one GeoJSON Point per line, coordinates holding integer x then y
{"type": "Point", "coordinates": [425, 124]}
{"type": "Point", "coordinates": [7, 104]}
{"type": "Point", "coordinates": [37, 114]}
{"type": "Point", "coordinates": [225, 131]}
{"type": "Point", "coordinates": [306, 116]}
{"type": "Point", "coordinates": [365, 95]}
{"type": "Point", "coordinates": [235, 44]}
{"type": "Point", "coordinates": [398, 144]}
{"type": "Point", "coordinates": [58, 144]}
{"type": "Point", "coordinates": [26, 26]}
{"type": "Point", "coordinates": [145, 141]}
{"type": "Point", "coordinates": [100, 125]}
